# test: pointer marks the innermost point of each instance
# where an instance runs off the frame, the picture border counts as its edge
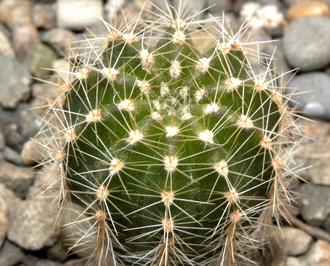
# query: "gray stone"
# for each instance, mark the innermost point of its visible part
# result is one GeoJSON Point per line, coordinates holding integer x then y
{"type": "Point", "coordinates": [39, 60]}
{"type": "Point", "coordinates": [12, 156]}
{"type": "Point", "coordinates": [58, 251]}
{"type": "Point", "coordinates": [314, 203]}
{"type": "Point", "coordinates": [219, 6]}
{"type": "Point", "coordinates": [282, 69]}
{"type": "Point", "coordinates": [15, 80]}
{"type": "Point", "coordinates": [48, 263]}
{"type": "Point", "coordinates": [32, 224]}
{"type": "Point", "coordinates": [314, 155]}
{"type": "Point", "coordinates": [78, 15]}
{"type": "Point", "coordinates": [12, 137]}
{"type": "Point", "coordinates": [306, 41]}
{"type": "Point", "coordinates": [311, 92]}
{"type": "Point", "coordinates": [16, 178]}
{"type": "Point", "coordinates": [60, 39]}
{"type": "Point", "coordinates": [10, 254]}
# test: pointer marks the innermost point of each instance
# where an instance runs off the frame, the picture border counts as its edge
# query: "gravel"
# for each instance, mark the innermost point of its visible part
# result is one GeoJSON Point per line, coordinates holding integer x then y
{"type": "Point", "coordinates": [37, 34]}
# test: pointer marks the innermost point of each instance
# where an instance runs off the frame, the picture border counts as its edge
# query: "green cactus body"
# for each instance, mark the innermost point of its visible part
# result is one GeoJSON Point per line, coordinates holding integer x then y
{"type": "Point", "coordinates": [172, 155]}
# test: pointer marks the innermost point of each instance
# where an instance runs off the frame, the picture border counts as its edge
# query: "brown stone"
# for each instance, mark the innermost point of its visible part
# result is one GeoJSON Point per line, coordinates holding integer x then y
{"type": "Point", "coordinates": [307, 9]}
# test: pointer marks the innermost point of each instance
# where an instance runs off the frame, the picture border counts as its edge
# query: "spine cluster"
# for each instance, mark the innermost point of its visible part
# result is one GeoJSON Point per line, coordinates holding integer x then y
{"type": "Point", "coordinates": [165, 155]}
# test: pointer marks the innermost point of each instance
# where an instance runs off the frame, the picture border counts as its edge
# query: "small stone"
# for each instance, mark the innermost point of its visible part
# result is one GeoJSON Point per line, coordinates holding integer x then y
{"type": "Point", "coordinates": [296, 241]}
{"type": "Point", "coordinates": [12, 156]}
{"type": "Point", "coordinates": [6, 47]}
{"type": "Point", "coordinates": [314, 203]}
{"type": "Point", "coordinates": [32, 224]}
{"type": "Point", "coordinates": [315, 153]}
{"type": "Point", "coordinates": [32, 153]}
{"type": "Point", "coordinates": [13, 138]}
{"type": "Point", "coordinates": [10, 254]}
{"type": "Point", "coordinates": [39, 60]}
{"type": "Point", "coordinates": [14, 13]}
{"type": "Point", "coordinates": [307, 9]}
{"type": "Point", "coordinates": [4, 223]}
{"type": "Point", "coordinates": [306, 43]}
{"type": "Point", "coordinates": [23, 38]}
{"type": "Point", "coordinates": [276, 50]}
{"type": "Point", "coordinates": [60, 40]}
{"type": "Point", "coordinates": [48, 263]}
{"type": "Point", "coordinates": [58, 251]}
{"type": "Point", "coordinates": [2, 140]}
{"type": "Point", "coordinates": [293, 261]}
{"type": "Point", "coordinates": [43, 16]}
{"type": "Point", "coordinates": [10, 198]}
{"type": "Point", "coordinates": [14, 85]}
{"type": "Point", "coordinates": [16, 178]}
{"type": "Point", "coordinates": [311, 94]}
{"type": "Point", "coordinates": [17, 15]}
{"type": "Point", "coordinates": [318, 255]}
{"type": "Point", "coordinates": [78, 15]}
{"type": "Point", "coordinates": [219, 6]}
{"type": "Point", "coordinates": [45, 185]}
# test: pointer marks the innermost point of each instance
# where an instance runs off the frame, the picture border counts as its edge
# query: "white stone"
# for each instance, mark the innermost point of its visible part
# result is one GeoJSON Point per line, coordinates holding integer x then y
{"type": "Point", "coordinates": [78, 15]}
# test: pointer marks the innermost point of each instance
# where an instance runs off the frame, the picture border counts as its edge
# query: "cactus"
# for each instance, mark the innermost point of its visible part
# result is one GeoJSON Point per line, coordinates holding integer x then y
{"type": "Point", "coordinates": [165, 154]}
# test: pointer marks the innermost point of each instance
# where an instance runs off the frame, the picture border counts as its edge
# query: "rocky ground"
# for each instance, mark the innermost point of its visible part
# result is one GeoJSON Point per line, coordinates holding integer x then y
{"type": "Point", "coordinates": [35, 36]}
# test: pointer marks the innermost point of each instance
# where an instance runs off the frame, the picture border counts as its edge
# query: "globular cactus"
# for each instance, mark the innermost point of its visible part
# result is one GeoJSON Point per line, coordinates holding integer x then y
{"type": "Point", "coordinates": [170, 156]}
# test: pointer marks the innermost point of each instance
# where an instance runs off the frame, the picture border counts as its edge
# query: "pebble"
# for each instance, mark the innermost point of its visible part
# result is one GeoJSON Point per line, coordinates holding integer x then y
{"type": "Point", "coordinates": [306, 43]}
{"type": "Point", "coordinates": [282, 68]}
{"type": "Point", "coordinates": [6, 48]}
{"type": "Point", "coordinates": [60, 40]}
{"type": "Point", "coordinates": [314, 154]}
{"type": "Point", "coordinates": [13, 138]}
{"type": "Point", "coordinates": [296, 241]}
{"type": "Point", "coordinates": [43, 16]}
{"type": "Point", "coordinates": [58, 251]}
{"type": "Point", "coordinates": [12, 156]}
{"type": "Point", "coordinates": [10, 254]}
{"type": "Point", "coordinates": [4, 223]}
{"type": "Point", "coordinates": [39, 60]}
{"type": "Point", "coordinates": [314, 203]}
{"type": "Point", "coordinates": [312, 94]}
{"type": "Point", "coordinates": [32, 153]}
{"type": "Point", "coordinates": [23, 38]}
{"type": "Point", "coordinates": [16, 178]}
{"type": "Point", "coordinates": [292, 261]}
{"type": "Point", "coordinates": [78, 15]}
{"type": "Point", "coordinates": [16, 13]}
{"type": "Point", "coordinates": [10, 198]}
{"type": "Point", "coordinates": [48, 263]}
{"type": "Point", "coordinates": [32, 224]}
{"type": "Point", "coordinates": [219, 6]}
{"type": "Point", "coordinates": [15, 80]}
{"type": "Point", "coordinates": [2, 140]}
{"type": "Point", "coordinates": [318, 255]}
{"type": "Point", "coordinates": [307, 9]}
